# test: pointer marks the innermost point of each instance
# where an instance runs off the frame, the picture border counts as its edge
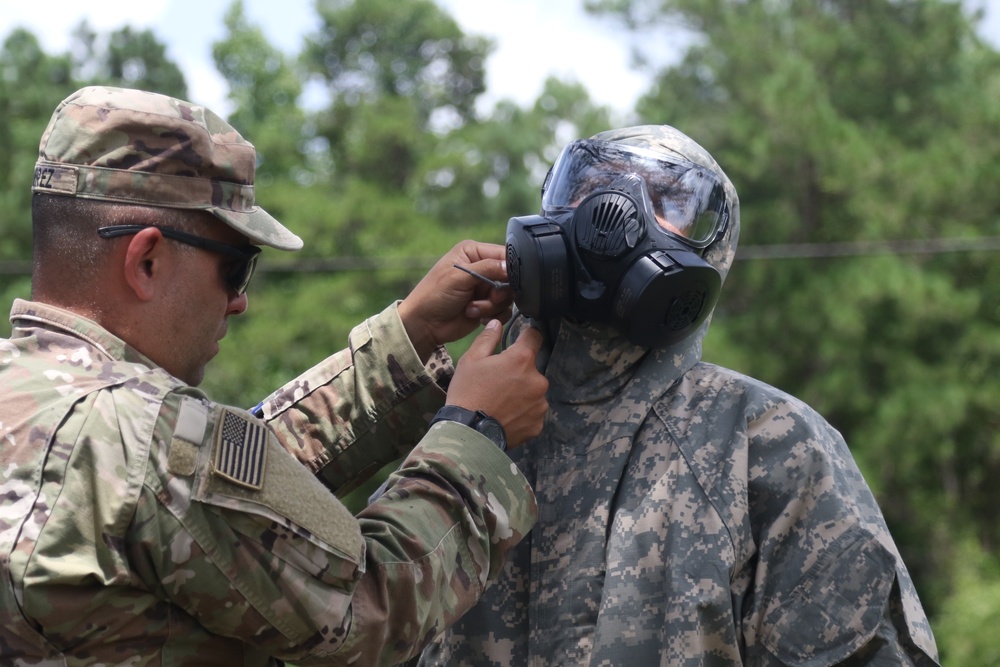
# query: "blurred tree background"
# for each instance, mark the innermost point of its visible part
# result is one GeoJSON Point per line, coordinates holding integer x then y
{"type": "Point", "coordinates": [862, 136]}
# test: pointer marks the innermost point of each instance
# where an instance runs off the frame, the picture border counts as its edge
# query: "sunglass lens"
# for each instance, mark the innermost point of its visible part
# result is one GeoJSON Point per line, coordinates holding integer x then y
{"type": "Point", "coordinates": [239, 274]}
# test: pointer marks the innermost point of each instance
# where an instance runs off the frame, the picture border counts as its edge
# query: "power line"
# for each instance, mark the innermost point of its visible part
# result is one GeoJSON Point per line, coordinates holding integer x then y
{"type": "Point", "coordinates": [754, 252]}
{"type": "Point", "coordinates": [344, 264]}
{"type": "Point", "coordinates": [868, 248]}
{"type": "Point", "coordinates": [775, 251]}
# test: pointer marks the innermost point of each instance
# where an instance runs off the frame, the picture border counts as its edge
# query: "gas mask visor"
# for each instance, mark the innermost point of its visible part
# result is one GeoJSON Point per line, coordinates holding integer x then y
{"type": "Point", "coordinates": [688, 201]}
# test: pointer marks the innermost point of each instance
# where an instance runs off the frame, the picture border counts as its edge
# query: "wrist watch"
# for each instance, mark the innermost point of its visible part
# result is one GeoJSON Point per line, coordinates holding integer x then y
{"type": "Point", "coordinates": [478, 420]}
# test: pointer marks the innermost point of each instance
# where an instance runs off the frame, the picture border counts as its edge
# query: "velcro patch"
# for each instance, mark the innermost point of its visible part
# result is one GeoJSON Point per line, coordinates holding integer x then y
{"type": "Point", "coordinates": [240, 446]}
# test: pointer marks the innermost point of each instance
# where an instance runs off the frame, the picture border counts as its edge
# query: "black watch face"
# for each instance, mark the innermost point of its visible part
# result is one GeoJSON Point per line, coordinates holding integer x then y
{"type": "Point", "coordinates": [492, 429]}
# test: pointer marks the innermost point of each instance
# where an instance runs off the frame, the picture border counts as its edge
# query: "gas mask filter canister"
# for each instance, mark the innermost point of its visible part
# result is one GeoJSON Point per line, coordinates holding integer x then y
{"type": "Point", "coordinates": [618, 242]}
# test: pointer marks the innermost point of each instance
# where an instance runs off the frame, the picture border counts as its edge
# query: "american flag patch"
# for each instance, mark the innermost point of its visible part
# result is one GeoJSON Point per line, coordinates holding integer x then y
{"type": "Point", "coordinates": [239, 450]}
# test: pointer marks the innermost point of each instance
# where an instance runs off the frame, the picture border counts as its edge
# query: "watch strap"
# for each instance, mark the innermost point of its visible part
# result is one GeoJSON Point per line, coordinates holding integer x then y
{"type": "Point", "coordinates": [472, 419]}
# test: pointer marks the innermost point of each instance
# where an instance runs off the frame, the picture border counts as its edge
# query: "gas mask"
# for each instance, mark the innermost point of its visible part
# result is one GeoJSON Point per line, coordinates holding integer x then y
{"type": "Point", "coordinates": [619, 242]}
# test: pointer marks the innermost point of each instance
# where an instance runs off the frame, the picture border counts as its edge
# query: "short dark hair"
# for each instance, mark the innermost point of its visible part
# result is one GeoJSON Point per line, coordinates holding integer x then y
{"type": "Point", "coordinates": [64, 233]}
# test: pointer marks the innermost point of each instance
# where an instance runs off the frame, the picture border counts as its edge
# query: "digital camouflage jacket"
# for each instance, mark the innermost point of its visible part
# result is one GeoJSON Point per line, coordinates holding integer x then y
{"type": "Point", "coordinates": [689, 516]}
{"type": "Point", "coordinates": [142, 524]}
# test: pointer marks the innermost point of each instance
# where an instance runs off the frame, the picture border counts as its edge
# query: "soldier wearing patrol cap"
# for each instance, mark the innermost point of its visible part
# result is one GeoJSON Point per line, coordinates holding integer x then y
{"type": "Point", "coordinates": [140, 522]}
{"type": "Point", "coordinates": [688, 515]}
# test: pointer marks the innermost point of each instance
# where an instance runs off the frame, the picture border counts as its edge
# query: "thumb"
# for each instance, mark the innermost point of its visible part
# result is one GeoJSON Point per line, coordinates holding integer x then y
{"type": "Point", "coordinates": [531, 338]}
{"type": "Point", "coordinates": [486, 342]}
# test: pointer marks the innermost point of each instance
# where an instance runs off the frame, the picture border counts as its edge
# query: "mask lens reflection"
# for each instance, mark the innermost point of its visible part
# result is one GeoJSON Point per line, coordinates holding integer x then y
{"type": "Point", "coordinates": [687, 200]}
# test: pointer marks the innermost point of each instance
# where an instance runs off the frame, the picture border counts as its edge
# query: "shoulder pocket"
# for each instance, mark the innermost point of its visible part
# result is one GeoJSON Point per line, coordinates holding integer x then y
{"type": "Point", "coordinates": [836, 608]}
{"type": "Point", "coordinates": [248, 471]}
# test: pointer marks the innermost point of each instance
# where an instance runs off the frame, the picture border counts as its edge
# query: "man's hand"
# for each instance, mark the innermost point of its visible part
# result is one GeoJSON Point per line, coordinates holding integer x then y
{"type": "Point", "coordinates": [506, 386]}
{"type": "Point", "coordinates": [448, 304]}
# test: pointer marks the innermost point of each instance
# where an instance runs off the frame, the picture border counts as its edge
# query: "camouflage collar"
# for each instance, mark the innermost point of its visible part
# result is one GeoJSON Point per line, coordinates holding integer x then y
{"type": "Point", "coordinates": [26, 315]}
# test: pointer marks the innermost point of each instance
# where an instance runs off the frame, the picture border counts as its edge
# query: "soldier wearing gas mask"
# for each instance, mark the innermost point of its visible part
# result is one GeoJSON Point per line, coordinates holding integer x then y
{"type": "Point", "coordinates": [688, 514]}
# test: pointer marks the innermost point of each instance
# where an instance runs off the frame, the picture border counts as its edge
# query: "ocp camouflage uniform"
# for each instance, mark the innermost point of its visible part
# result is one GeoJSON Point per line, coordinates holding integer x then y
{"type": "Point", "coordinates": [142, 524]}
{"type": "Point", "coordinates": [689, 516]}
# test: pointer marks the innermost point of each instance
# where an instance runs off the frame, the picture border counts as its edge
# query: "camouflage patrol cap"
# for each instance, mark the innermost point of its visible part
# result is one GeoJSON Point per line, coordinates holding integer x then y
{"type": "Point", "coordinates": [138, 147]}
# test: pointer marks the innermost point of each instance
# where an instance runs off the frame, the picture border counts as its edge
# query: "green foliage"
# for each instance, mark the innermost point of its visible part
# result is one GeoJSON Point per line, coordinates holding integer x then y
{"type": "Point", "coordinates": [483, 173]}
{"type": "Point", "coordinates": [127, 58]}
{"type": "Point", "coordinates": [293, 322]}
{"type": "Point", "coordinates": [966, 629]}
{"type": "Point", "coordinates": [31, 85]}
{"type": "Point", "coordinates": [265, 89]}
{"type": "Point", "coordinates": [397, 48]}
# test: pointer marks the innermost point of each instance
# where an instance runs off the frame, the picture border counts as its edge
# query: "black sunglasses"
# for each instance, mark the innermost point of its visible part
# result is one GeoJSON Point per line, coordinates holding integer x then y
{"type": "Point", "coordinates": [237, 274]}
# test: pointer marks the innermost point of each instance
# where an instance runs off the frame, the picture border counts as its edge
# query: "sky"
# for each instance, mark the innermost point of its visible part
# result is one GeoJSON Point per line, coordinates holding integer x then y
{"type": "Point", "coordinates": [535, 39]}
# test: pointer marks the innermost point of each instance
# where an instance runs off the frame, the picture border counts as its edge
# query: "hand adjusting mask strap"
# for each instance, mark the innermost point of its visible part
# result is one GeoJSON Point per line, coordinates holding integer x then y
{"type": "Point", "coordinates": [619, 243]}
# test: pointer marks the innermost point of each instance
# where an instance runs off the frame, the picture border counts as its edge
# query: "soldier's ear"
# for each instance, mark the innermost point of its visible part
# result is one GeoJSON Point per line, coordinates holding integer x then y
{"type": "Point", "coordinates": [145, 263]}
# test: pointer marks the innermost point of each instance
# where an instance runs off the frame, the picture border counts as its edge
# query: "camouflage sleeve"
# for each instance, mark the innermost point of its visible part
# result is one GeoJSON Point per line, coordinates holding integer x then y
{"type": "Point", "coordinates": [480, 476]}
{"type": "Point", "coordinates": [831, 584]}
{"type": "Point", "coordinates": [362, 407]}
{"type": "Point", "coordinates": [245, 539]}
